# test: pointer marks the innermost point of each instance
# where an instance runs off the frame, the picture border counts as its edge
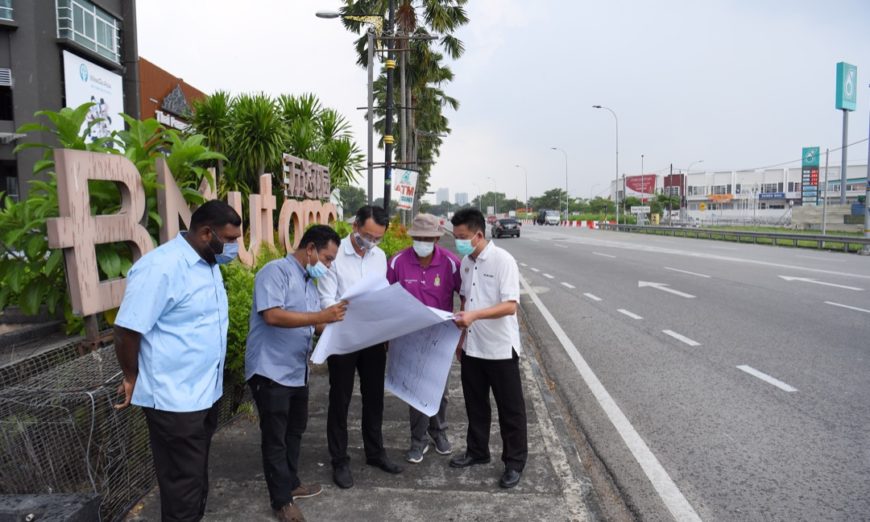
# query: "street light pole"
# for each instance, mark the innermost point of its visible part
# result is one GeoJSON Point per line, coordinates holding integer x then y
{"type": "Point", "coordinates": [642, 179]}
{"type": "Point", "coordinates": [616, 186]}
{"type": "Point", "coordinates": [566, 178]}
{"type": "Point", "coordinates": [494, 195]}
{"type": "Point", "coordinates": [479, 197]}
{"type": "Point", "coordinates": [526, 173]}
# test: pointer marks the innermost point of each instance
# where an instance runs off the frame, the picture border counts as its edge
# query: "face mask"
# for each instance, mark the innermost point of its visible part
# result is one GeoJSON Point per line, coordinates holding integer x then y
{"type": "Point", "coordinates": [228, 251]}
{"type": "Point", "coordinates": [464, 247]}
{"type": "Point", "coordinates": [364, 243]}
{"type": "Point", "coordinates": [316, 271]}
{"type": "Point", "coordinates": [424, 248]}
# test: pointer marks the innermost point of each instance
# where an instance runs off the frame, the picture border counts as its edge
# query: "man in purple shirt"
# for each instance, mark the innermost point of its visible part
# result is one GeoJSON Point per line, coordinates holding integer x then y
{"type": "Point", "coordinates": [431, 274]}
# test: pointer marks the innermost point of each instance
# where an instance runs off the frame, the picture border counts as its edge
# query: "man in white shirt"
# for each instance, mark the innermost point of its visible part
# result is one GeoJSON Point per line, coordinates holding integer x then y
{"type": "Point", "coordinates": [489, 348]}
{"type": "Point", "coordinates": [358, 256]}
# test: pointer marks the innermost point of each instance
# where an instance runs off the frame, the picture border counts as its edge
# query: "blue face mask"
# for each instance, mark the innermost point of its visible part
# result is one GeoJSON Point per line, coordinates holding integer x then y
{"type": "Point", "coordinates": [227, 253]}
{"type": "Point", "coordinates": [464, 247]}
{"type": "Point", "coordinates": [317, 270]}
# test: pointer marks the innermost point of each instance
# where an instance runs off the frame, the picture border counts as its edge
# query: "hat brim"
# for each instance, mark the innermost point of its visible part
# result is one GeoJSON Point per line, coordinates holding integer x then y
{"type": "Point", "coordinates": [421, 233]}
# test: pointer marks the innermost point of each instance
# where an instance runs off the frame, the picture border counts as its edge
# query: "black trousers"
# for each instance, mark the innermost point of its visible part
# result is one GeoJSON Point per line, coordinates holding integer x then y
{"type": "Point", "coordinates": [371, 364]}
{"type": "Point", "coordinates": [180, 443]}
{"type": "Point", "coordinates": [283, 414]}
{"type": "Point", "coordinates": [503, 377]}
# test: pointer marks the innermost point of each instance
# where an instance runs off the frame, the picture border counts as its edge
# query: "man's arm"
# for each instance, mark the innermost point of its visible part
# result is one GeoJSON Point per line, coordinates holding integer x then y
{"type": "Point", "coordinates": [127, 344]}
{"type": "Point", "coordinates": [287, 319]}
{"type": "Point", "coordinates": [464, 319]}
{"type": "Point", "coordinates": [327, 287]}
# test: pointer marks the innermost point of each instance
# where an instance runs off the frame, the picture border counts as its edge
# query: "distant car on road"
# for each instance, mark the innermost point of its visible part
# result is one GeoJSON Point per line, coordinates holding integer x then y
{"type": "Point", "coordinates": [548, 217]}
{"type": "Point", "coordinates": [506, 227]}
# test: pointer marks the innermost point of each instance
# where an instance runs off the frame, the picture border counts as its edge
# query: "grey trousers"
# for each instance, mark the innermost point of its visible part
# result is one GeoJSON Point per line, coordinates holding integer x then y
{"type": "Point", "coordinates": [422, 424]}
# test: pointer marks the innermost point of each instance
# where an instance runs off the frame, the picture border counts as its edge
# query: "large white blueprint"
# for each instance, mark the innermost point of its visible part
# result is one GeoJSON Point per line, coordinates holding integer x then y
{"type": "Point", "coordinates": [376, 313]}
{"type": "Point", "coordinates": [418, 365]}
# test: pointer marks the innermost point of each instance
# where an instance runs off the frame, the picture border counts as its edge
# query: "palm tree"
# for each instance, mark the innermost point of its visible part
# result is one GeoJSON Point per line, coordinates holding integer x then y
{"type": "Point", "coordinates": [257, 137]}
{"type": "Point", "coordinates": [211, 118]}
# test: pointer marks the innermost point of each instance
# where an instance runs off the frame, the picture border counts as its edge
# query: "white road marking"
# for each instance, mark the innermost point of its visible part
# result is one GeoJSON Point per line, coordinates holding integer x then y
{"type": "Point", "coordinates": [665, 487]}
{"type": "Point", "coordinates": [820, 258]}
{"type": "Point", "coordinates": [663, 287]}
{"type": "Point", "coordinates": [721, 247]}
{"type": "Point", "coordinates": [815, 282]}
{"type": "Point", "coordinates": [766, 378]}
{"type": "Point", "coordinates": [535, 240]}
{"type": "Point", "coordinates": [849, 307]}
{"type": "Point", "coordinates": [523, 264]}
{"type": "Point", "coordinates": [592, 296]}
{"type": "Point", "coordinates": [548, 276]}
{"type": "Point", "coordinates": [686, 272]}
{"type": "Point", "coordinates": [602, 255]}
{"type": "Point", "coordinates": [568, 285]}
{"type": "Point", "coordinates": [533, 269]}
{"type": "Point", "coordinates": [633, 315]}
{"type": "Point", "coordinates": [681, 338]}
{"type": "Point", "coordinates": [560, 246]}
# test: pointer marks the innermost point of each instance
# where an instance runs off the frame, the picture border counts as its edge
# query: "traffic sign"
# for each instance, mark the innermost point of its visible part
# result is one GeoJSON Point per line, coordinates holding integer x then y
{"type": "Point", "coordinates": [638, 209]}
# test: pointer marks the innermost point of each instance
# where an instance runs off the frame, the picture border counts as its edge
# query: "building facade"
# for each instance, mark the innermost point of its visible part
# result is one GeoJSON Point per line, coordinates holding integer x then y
{"type": "Point", "coordinates": [62, 53]}
{"type": "Point", "coordinates": [462, 198]}
{"type": "Point", "coordinates": [442, 195]}
{"type": "Point", "coordinates": [165, 97]}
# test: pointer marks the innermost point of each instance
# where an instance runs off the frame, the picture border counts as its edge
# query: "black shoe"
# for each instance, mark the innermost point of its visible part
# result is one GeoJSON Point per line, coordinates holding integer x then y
{"type": "Point", "coordinates": [463, 461]}
{"type": "Point", "coordinates": [510, 478]}
{"type": "Point", "coordinates": [342, 477]}
{"type": "Point", "coordinates": [385, 464]}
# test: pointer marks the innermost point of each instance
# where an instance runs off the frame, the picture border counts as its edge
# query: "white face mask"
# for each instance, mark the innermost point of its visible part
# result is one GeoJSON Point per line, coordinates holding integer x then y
{"type": "Point", "coordinates": [424, 248]}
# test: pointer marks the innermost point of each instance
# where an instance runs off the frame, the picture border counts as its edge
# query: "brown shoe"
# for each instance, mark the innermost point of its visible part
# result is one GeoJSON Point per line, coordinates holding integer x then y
{"type": "Point", "coordinates": [289, 513]}
{"type": "Point", "coordinates": [306, 491]}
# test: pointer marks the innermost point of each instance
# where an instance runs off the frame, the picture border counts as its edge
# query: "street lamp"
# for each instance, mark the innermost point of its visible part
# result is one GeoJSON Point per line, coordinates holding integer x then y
{"type": "Point", "coordinates": [566, 178]}
{"type": "Point", "coordinates": [494, 195]}
{"type": "Point", "coordinates": [479, 197]}
{"type": "Point", "coordinates": [616, 187]}
{"type": "Point", "coordinates": [526, 172]}
{"type": "Point", "coordinates": [685, 186]}
{"type": "Point", "coordinates": [375, 23]}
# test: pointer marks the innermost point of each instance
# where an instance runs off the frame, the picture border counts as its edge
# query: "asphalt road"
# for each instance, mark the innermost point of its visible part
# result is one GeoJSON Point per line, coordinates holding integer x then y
{"type": "Point", "coordinates": [745, 394]}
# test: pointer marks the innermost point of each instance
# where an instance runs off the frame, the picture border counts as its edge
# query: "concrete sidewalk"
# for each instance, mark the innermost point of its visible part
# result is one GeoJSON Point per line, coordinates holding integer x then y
{"type": "Point", "coordinates": [553, 485]}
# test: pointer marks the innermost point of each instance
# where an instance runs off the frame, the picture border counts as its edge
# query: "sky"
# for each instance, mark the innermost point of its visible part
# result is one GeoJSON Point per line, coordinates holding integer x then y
{"type": "Point", "coordinates": [739, 84]}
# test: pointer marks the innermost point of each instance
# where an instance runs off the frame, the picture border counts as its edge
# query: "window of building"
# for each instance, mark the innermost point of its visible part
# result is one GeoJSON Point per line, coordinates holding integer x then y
{"type": "Point", "coordinates": [721, 189]}
{"type": "Point", "coordinates": [86, 24]}
{"type": "Point", "coordinates": [794, 186]}
{"type": "Point", "coordinates": [771, 187]}
{"type": "Point", "coordinates": [6, 10]}
{"type": "Point", "coordinates": [6, 103]}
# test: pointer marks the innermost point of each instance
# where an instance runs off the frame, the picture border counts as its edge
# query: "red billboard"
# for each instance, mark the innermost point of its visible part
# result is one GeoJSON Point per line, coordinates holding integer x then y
{"type": "Point", "coordinates": [640, 186]}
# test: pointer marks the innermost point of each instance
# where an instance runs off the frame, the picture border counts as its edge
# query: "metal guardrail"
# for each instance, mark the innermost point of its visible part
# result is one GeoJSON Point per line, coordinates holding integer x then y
{"type": "Point", "coordinates": [739, 236]}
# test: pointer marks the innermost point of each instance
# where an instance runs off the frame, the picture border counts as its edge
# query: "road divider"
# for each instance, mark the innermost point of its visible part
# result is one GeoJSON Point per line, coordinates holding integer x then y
{"type": "Point", "coordinates": [633, 315]}
{"type": "Point", "coordinates": [817, 282]}
{"type": "Point", "coordinates": [767, 378]}
{"type": "Point", "coordinates": [682, 338]}
{"type": "Point", "coordinates": [841, 305]}
{"type": "Point", "coordinates": [696, 274]}
{"type": "Point", "coordinates": [667, 490]}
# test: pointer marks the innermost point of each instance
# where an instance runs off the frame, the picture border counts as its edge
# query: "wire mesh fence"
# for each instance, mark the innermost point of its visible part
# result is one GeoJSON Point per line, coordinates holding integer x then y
{"type": "Point", "coordinates": [60, 433]}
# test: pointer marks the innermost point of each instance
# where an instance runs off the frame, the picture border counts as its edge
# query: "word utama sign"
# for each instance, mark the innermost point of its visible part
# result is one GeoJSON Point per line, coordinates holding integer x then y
{"type": "Point", "coordinates": [78, 232]}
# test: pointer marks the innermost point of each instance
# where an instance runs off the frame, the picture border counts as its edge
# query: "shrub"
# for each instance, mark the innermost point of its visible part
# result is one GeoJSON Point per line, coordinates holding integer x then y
{"type": "Point", "coordinates": [396, 238]}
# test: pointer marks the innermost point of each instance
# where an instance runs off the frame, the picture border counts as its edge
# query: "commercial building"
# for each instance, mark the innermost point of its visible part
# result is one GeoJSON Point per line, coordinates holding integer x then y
{"type": "Point", "coordinates": [442, 195]}
{"type": "Point", "coordinates": [62, 53]}
{"type": "Point", "coordinates": [462, 198]}
{"type": "Point", "coordinates": [767, 193]}
{"type": "Point", "coordinates": [165, 97]}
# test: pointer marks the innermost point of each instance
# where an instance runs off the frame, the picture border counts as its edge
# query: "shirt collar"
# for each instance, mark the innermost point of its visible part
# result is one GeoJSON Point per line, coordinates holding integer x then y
{"type": "Point", "coordinates": [294, 263]}
{"type": "Point", "coordinates": [190, 255]}
{"type": "Point", "coordinates": [485, 252]}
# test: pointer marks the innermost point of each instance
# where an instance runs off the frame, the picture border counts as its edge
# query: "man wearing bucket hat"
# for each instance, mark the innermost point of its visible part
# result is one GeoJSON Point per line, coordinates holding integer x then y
{"type": "Point", "coordinates": [431, 274]}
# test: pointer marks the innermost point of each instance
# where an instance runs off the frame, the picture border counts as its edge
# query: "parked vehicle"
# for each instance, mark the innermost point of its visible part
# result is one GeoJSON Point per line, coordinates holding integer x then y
{"type": "Point", "coordinates": [548, 217]}
{"type": "Point", "coordinates": [506, 227]}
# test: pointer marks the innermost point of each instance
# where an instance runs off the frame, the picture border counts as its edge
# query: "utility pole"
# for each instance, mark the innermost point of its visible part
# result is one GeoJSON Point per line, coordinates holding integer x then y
{"type": "Point", "coordinates": [370, 113]}
{"type": "Point", "coordinates": [866, 250]}
{"type": "Point", "coordinates": [388, 126]}
{"type": "Point", "coordinates": [825, 196]}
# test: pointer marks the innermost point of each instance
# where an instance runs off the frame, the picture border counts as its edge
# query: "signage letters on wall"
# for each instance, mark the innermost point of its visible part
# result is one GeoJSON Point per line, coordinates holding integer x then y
{"type": "Point", "coordinates": [77, 232]}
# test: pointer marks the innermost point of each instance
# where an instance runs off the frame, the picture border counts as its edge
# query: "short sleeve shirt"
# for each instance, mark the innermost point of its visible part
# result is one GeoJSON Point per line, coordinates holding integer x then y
{"type": "Point", "coordinates": [177, 302]}
{"type": "Point", "coordinates": [274, 352]}
{"type": "Point", "coordinates": [491, 279]}
{"type": "Point", "coordinates": [434, 285]}
{"type": "Point", "coordinates": [348, 269]}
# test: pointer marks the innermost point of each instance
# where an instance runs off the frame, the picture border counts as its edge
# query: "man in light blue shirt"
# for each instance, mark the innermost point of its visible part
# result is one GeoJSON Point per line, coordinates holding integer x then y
{"type": "Point", "coordinates": [285, 314]}
{"type": "Point", "coordinates": [170, 341]}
